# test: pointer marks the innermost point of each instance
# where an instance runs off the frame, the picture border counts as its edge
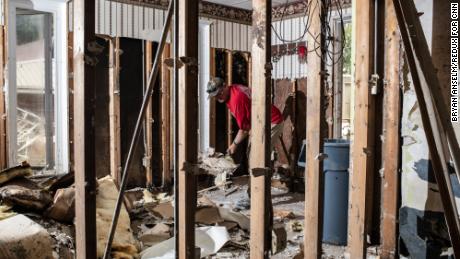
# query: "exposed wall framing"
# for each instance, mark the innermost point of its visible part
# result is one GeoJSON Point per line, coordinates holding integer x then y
{"type": "Point", "coordinates": [148, 138]}
{"type": "Point", "coordinates": [260, 131]}
{"type": "Point", "coordinates": [188, 127]}
{"type": "Point", "coordinates": [314, 184]}
{"type": "Point", "coordinates": [3, 118]}
{"type": "Point", "coordinates": [84, 147]}
{"type": "Point", "coordinates": [391, 137]}
{"type": "Point", "coordinates": [362, 146]}
{"type": "Point", "coordinates": [166, 117]}
{"type": "Point", "coordinates": [229, 81]}
{"type": "Point", "coordinates": [114, 109]}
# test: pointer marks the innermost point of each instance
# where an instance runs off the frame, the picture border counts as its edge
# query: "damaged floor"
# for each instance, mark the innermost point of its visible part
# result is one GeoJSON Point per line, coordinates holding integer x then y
{"type": "Point", "coordinates": [36, 225]}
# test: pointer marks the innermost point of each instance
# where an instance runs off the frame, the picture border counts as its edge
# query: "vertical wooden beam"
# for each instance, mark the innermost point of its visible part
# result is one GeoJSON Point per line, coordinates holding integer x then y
{"type": "Point", "coordinates": [338, 87]}
{"type": "Point", "coordinates": [3, 138]}
{"type": "Point", "coordinates": [391, 137]}
{"type": "Point", "coordinates": [114, 109]}
{"type": "Point", "coordinates": [330, 110]}
{"type": "Point", "coordinates": [166, 117]}
{"type": "Point", "coordinates": [229, 81]}
{"type": "Point", "coordinates": [362, 146]}
{"type": "Point", "coordinates": [315, 115]}
{"type": "Point", "coordinates": [259, 160]}
{"type": "Point", "coordinates": [84, 95]}
{"type": "Point", "coordinates": [148, 117]}
{"type": "Point", "coordinates": [188, 125]}
{"type": "Point", "coordinates": [70, 98]}
{"type": "Point", "coordinates": [212, 104]}
{"type": "Point", "coordinates": [247, 57]}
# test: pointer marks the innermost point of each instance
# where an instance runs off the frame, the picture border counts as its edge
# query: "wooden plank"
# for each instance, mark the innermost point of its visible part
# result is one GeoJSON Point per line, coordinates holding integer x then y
{"type": "Point", "coordinates": [188, 126]}
{"type": "Point", "coordinates": [406, 13]}
{"type": "Point", "coordinates": [148, 118]}
{"type": "Point", "coordinates": [314, 135]}
{"type": "Point", "coordinates": [212, 104]}
{"type": "Point", "coordinates": [84, 95]}
{"type": "Point", "coordinates": [114, 109]}
{"type": "Point", "coordinates": [229, 81]}
{"type": "Point", "coordinates": [3, 136]}
{"type": "Point", "coordinates": [166, 117]}
{"type": "Point", "coordinates": [391, 137]}
{"type": "Point", "coordinates": [259, 159]}
{"type": "Point", "coordinates": [362, 146]}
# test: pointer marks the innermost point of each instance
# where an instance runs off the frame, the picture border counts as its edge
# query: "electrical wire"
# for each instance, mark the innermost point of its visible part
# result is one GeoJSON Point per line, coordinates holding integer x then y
{"type": "Point", "coordinates": [310, 6]}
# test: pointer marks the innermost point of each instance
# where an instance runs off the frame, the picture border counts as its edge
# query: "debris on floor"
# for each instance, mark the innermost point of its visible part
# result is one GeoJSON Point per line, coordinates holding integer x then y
{"type": "Point", "coordinates": [13, 172]}
{"type": "Point", "coordinates": [146, 226]}
{"type": "Point", "coordinates": [209, 239]}
{"type": "Point", "coordinates": [63, 207]}
{"type": "Point", "coordinates": [18, 194]}
{"type": "Point", "coordinates": [22, 238]}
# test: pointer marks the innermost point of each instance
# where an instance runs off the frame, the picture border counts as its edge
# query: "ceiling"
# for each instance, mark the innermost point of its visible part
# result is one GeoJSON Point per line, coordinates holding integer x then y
{"type": "Point", "coordinates": [247, 4]}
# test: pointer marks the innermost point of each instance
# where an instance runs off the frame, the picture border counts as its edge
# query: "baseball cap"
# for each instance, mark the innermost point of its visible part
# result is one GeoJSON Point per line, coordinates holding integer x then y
{"type": "Point", "coordinates": [214, 85]}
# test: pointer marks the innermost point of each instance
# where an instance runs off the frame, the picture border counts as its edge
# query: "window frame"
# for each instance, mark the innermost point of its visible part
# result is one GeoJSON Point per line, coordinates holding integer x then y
{"type": "Point", "coordinates": [58, 10]}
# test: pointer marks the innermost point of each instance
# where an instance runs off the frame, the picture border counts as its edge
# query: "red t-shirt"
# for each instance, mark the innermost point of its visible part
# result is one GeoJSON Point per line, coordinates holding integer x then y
{"type": "Point", "coordinates": [239, 105]}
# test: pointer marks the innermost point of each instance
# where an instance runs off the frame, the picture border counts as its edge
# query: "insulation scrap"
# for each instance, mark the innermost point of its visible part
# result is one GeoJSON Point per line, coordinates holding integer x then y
{"type": "Point", "coordinates": [6, 212]}
{"type": "Point", "coordinates": [124, 244]}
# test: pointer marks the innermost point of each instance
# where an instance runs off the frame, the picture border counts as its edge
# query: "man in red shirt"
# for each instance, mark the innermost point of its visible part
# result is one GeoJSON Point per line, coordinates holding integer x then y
{"type": "Point", "coordinates": [238, 100]}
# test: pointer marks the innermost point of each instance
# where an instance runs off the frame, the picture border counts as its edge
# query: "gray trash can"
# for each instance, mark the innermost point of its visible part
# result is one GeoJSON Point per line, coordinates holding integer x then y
{"type": "Point", "coordinates": [335, 168]}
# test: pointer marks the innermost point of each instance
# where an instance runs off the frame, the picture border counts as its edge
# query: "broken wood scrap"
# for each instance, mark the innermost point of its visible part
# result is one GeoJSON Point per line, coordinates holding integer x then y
{"type": "Point", "coordinates": [284, 214]}
{"type": "Point", "coordinates": [13, 172]}
{"type": "Point", "coordinates": [63, 207]}
{"type": "Point", "coordinates": [62, 181]}
{"type": "Point", "coordinates": [152, 236]}
{"type": "Point", "coordinates": [279, 238]}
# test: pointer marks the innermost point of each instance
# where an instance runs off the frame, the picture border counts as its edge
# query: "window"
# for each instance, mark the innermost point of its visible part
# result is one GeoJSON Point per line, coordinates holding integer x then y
{"type": "Point", "coordinates": [37, 84]}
